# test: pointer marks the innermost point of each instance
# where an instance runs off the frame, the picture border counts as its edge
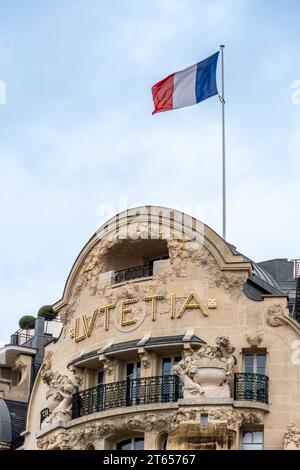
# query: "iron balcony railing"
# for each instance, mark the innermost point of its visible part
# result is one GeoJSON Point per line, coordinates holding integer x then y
{"type": "Point", "coordinates": [162, 389]}
{"type": "Point", "coordinates": [133, 273]}
{"type": "Point", "coordinates": [251, 387]}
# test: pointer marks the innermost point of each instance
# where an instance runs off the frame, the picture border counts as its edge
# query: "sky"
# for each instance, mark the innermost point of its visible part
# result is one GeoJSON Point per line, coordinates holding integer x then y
{"type": "Point", "coordinates": [78, 141]}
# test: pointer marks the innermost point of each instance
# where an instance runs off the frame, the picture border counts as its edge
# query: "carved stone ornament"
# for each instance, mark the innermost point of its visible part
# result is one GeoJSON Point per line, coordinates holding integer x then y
{"type": "Point", "coordinates": [291, 438]}
{"type": "Point", "coordinates": [182, 252]}
{"type": "Point", "coordinates": [146, 359]}
{"type": "Point", "coordinates": [59, 395]}
{"type": "Point", "coordinates": [76, 438]}
{"type": "Point", "coordinates": [232, 283]}
{"type": "Point", "coordinates": [148, 422]}
{"type": "Point", "coordinates": [77, 373]}
{"type": "Point", "coordinates": [254, 338]}
{"type": "Point", "coordinates": [274, 316]}
{"type": "Point", "coordinates": [108, 365]}
{"type": "Point", "coordinates": [208, 371]}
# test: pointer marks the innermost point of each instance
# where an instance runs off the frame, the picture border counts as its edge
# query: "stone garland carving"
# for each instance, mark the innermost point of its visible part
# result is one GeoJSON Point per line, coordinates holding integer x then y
{"type": "Point", "coordinates": [148, 423]}
{"type": "Point", "coordinates": [59, 395]}
{"type": "Point", "coordinates": [235, 419]}
{"type": "Point", "coordinates": [76, 438]}
{"type": "Point", "coordinates": [233, 283]}
{"type": "Point", "coordinates": [208, 371]}
{"type": "Point", "coordinates": [274, 316]}
{"type": "Point", "coordinates": [291, 438]}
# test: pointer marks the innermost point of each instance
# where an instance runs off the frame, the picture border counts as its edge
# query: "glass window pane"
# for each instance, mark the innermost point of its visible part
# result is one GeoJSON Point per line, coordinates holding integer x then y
{"type": "Point", "coordinates": [257, 437]}
{"type": "Point", "coordinates": [247, 437]}
{"type": "Point", "coordinates": [139, 443]}
{"type": "Point", "coordinates": [177, 359]}
{"type": "Point", "coordinates": [100, 377]}
{"type": "Point", "coordinates": [248, 358]}
{"type": "Point", "coordinates": [252, 447]}
{"type": "Point", "coordinates": [124, 445]}
{"type": "Point", "coordinates": [130, 370]}
{"type": "Point", "coordinates": [261, 364]}
{"type": "Point", "coordinates": [138, 370]}
{"type": "Point", "coordinates": [166, 366]}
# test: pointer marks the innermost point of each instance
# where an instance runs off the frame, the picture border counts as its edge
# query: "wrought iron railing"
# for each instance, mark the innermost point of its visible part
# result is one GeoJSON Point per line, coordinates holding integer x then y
{"type": "Point", "coordinates": [162, 389]}
{"type": "Point", "coordinates": [44, 414]}
{"type": "Point", "coordinates": [133, 273]}
{"type": "Point", "coordinates": [251, 387]}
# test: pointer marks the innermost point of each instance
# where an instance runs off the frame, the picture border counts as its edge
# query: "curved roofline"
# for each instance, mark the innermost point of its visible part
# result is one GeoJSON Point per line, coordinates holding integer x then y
{"type": "Point", "coordinates": [167, 217]}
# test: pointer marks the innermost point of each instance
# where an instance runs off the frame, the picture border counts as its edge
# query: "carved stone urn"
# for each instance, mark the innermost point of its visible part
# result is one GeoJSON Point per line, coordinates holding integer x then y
{"type": "Point", "coordinates": [207, 372]}
{"type": "Point", "coordinates": [211, 374]}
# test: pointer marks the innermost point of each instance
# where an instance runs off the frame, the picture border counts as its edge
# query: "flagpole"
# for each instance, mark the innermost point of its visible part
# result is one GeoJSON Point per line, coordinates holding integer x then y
{"type": "Point", "coordinates": [222, 99]}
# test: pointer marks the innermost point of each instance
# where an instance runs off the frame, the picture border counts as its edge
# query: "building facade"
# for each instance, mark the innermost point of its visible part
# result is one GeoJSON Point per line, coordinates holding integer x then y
{"type": "Point", "coordinates": [171, 340]}
{"type": "Point", "coordinates": [20, 361]}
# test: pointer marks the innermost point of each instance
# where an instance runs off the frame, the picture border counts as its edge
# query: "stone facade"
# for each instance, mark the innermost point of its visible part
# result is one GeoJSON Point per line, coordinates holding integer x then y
{"type": "Point", "coordinates": [194, 298]}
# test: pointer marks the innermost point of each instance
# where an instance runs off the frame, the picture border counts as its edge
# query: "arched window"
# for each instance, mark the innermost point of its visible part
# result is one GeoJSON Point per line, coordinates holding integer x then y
{"type": "Point", "coordinates": [162, 441]}
{"type": "Point", "coordinates": [90, 446]}
{"type": "Point", "coordinates": [135, 443]}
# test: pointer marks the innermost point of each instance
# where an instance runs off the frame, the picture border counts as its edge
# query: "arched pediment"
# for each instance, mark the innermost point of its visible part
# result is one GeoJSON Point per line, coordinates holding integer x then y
{"type": "Point", "coordinates": [152, 226]}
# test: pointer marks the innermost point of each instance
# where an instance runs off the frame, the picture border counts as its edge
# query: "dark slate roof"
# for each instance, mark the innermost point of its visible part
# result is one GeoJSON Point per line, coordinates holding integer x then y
{"type": "Point", "coordinates": [260, 282]}
{"type": "Point", "coordinates": [18, 412]}
{"type": "Point", "coordinates": [156, 341]}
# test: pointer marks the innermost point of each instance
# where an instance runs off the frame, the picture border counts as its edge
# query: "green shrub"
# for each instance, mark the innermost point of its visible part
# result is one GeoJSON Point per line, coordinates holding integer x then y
{"type": "Point", "coordinates": [47, 312]}
{"type": "Point", "coordinates": [27, 322]}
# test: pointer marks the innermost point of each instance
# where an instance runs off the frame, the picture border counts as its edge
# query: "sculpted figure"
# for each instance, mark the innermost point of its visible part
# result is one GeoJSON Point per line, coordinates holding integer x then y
{"type": "Point", "coordinates": [224, 351]}
{"type": "Point", "coordinates": [62, 412]}
{"type": "Point", "coordinates": [185, 379]}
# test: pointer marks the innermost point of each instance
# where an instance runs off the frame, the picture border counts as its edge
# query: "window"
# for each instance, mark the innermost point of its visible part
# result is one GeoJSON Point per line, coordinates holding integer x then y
{"type": "Point", "coordinates": [100, 377]}
{"type": "Point", "coordinates": [252, 440]}
{"type": "Point", "coordinates": [168, 363]}
{"type": "Point", "coordinates": [90, 447]}
{"type": "Point", "coordinates": [135, 443]}
{"type": "Point", "coordinates": [162, 441]}
{"type": "Point", "coordinates": [255, 363]}
{"type": "Point", "coordinates": [168, 386]}
{"type": "Point", "coordinates": [97, 379]}
{"type": "Point", "coordinates": [133, 382]}
{"type": "Point", "coordinates": [204, 419]}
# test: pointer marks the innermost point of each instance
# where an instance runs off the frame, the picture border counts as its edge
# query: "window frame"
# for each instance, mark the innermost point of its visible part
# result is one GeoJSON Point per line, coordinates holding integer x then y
{"type": "Point", "coordinates": [252, 430]}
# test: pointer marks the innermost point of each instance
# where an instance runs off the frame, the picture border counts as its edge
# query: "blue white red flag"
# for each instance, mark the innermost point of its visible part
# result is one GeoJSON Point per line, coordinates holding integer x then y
{"type": "Point", "coordinates": [187, 87]}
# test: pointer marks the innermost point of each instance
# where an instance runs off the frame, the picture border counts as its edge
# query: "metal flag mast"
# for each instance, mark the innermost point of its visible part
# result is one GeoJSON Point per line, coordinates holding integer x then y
{"type": "Point", "coordinates": [222, 99]}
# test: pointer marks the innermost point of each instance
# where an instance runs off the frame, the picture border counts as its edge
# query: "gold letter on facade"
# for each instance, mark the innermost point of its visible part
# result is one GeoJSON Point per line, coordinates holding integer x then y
{"type": "Point", "coordinates": [196, 304]}
{"type": "Point", "coordinates": [124, 311]}
{"type": "Point", "coordinates": [106, 309]}
{"type": "Point", "coordinates": [88, 323]}
{"type": "Point", "coordinates": [74, 332]}
{"type": "Point", "coordinates": [173, 305]}
{"type": "Point", "coordinates": [154, 299]}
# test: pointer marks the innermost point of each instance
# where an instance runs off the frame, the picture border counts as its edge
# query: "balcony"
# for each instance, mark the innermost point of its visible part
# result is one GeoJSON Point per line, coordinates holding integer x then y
{"type": "Point", "coordinates": [251, 387]}
{"type": "Point", "coordinates": [131, 392]}
{"type": "Point", "coordinates": [160, 389]}
{"type": "Point", "coordinates": [135, 272]}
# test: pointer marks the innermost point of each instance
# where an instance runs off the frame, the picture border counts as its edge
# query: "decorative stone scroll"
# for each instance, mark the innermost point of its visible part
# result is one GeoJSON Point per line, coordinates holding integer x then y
{"type": "Point", "coordinates": [274, 316]}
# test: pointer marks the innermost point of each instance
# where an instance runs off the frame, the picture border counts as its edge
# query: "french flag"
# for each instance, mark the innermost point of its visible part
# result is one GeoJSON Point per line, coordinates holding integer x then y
{"type": "Point", "coordinates": [187, 87]}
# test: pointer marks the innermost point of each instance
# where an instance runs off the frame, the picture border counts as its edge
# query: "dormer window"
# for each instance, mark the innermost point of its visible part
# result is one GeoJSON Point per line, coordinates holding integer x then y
{"type": "Point", "coordinates": [135, 259]}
